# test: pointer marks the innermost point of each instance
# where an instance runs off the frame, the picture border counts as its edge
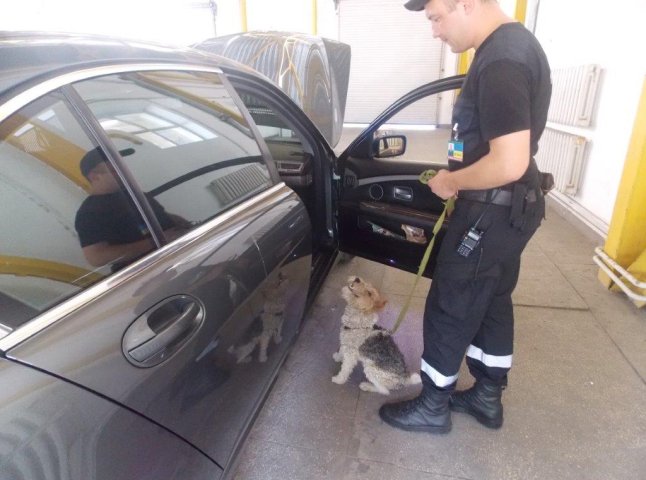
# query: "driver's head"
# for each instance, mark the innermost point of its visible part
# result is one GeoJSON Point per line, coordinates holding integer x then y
{"type": "Point", "coordinates": [94, 167]}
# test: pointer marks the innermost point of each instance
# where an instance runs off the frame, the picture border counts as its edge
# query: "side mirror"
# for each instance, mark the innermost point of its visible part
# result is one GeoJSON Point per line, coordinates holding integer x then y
{"type": "Point", "coordinates": [389, 146]}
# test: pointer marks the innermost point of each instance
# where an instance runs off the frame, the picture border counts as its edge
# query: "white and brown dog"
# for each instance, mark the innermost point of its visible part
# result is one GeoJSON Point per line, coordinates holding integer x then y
{"type": "Point", "coordinates": [267, 326]}
{"type": "Point", "coordinates": [363, 341]}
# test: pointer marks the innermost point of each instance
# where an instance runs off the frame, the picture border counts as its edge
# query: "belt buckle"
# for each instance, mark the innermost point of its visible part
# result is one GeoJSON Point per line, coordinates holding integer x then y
{"type": "Point", "coordinates": [492, 195]}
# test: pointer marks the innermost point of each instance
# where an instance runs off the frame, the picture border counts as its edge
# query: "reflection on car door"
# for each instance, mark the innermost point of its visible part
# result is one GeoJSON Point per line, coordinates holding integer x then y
{"type": "Point", "coordinates": [189, 336]}
{"type": "Point", "coordinates": [385, 213]}
{"type": "Point", "coordinates": [51, 429]}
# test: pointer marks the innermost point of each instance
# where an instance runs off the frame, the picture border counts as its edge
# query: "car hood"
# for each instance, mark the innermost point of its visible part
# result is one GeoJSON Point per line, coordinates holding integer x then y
{"type": "Point", "coordinates": [313, 71]}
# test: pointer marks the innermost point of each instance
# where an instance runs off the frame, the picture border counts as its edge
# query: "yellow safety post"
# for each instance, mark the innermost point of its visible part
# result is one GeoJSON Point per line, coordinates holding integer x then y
{"type": "Point", "coordinates": [626, 242]}
{"type": "Point", "coordinates": [521, 10]}
{"type": "Point", "coordinates": [315, 20]}
{"type": "Point", "coordinates": [243, 15]}
{"type": "Point", "coordinates": [464, 61]}
{"type": "Point", "coordinates": [638, 270]}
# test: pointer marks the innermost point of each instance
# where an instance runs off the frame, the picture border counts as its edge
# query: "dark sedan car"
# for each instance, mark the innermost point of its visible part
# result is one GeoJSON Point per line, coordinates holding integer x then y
{"type": "Point", "coordinates": [167, 217]}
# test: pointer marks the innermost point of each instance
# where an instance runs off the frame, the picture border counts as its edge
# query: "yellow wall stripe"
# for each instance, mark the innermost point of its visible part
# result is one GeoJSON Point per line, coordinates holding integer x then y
{"type": "Point", "coordinates": [61, 272]}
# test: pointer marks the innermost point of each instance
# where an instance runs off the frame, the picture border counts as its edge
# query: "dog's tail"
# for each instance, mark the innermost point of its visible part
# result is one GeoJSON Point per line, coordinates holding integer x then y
{"type": "Point", "coordinates": [414, 379]}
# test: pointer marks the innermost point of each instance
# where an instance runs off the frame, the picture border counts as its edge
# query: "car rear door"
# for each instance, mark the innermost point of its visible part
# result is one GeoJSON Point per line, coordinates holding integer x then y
{"type": "Point", "coordinates": [51, 429]}
{"type": "Point", "coordinates": [385, 213]}
{"type": "Point", "coordinates": [158, 333]}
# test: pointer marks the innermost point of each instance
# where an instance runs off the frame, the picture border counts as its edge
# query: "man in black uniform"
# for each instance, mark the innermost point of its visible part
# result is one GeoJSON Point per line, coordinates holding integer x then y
{"type": "Point", "coordinates": [111, 230]}
{"type": "Point", "coordinates": [497, 122]}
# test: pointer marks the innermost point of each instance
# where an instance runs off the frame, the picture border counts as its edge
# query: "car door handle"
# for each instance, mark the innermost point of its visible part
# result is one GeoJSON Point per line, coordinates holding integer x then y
{"type": "Point", "coordinates": [403, 193]}
{"type": "Point", "coordinates": [162, 330]}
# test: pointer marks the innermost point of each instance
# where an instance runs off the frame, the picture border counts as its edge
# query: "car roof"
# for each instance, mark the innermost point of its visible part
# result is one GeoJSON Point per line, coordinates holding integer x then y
{"type": "Point", "coordinates": [27, 56]}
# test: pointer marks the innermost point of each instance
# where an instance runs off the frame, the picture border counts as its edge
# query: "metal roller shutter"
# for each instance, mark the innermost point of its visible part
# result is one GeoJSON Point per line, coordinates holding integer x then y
{"type": "Point", "coordinates": [393, 51]}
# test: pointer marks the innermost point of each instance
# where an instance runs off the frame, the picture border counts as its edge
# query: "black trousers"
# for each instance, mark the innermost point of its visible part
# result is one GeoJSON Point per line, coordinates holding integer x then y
{"type": "Point", "coordinates": [469, 308]}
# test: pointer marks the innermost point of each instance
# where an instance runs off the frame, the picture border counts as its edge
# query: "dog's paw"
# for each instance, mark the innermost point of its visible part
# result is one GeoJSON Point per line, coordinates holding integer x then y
{"type": "Point", "coordinates": [262, 358]}
{"type": "Point", "coordinates": [246, 359]}
{"type": "Point", "coordinates": [337, 357]}
{"type": "Point", "coordinates": [366, 387]}
{"type": "Point", "coordinates": [338, 380]}
{"type": "Point", "coordinates": [370, 387]}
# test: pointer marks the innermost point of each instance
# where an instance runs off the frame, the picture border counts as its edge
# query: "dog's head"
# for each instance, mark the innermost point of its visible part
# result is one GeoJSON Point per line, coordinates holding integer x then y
{"type": "Point", "coordinates": [276, 288]}
{"type": "Point", "coordinates": [362, 295]}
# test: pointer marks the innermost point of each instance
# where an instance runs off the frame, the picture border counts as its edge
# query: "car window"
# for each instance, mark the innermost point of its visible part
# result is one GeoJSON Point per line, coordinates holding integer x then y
{"type": "Point", "coordinates": [44, 194]}
{"type": "Point", "coordinates": [426, 137]}
{"type": "Point", "coordinates": [292, 155]}
{"type": "Point", "coordinates": [272, 125]}
{"type": "Point", "coordinates": [182, 137]}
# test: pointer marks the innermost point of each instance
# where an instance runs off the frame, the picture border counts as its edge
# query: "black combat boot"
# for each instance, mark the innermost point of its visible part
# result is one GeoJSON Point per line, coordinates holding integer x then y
{"type": "Point", "coordinates": [429, 412]}
{"type": "Point", "coordinates": [482, 401]}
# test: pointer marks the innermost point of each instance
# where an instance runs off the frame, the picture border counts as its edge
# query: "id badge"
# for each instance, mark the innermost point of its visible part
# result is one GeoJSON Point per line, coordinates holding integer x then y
{"type": "Point", "coordinates": [456, 150]}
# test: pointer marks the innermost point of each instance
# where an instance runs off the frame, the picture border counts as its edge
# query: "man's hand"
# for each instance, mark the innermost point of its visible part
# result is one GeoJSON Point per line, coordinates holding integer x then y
{"type": "Point", "coordinates": [443, 185]}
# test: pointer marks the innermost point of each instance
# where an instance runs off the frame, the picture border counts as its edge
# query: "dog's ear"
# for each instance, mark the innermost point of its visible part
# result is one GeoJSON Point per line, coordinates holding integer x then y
{"type": "Point", "coordinates": [381, 303]}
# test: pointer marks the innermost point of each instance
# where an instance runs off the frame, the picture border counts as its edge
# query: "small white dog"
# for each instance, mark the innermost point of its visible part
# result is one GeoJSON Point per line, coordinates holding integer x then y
{"type": "Point", "coordinates": [267, 326]}
{"type": "Point", "coordinates": [363, 341]}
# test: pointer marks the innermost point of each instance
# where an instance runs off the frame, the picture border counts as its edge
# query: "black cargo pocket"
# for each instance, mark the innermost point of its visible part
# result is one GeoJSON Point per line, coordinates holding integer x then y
{"type": "Point", "coordinates": [464, 290]}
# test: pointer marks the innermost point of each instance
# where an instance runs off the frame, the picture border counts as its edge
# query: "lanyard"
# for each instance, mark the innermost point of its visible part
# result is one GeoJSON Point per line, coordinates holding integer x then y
{"type": "Point", "coordinates": [448, 208]}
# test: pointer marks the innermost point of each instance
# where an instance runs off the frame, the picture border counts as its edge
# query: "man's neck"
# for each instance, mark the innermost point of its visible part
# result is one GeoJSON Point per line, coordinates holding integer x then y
{"type": "Point", "coordinates": [492, 18]}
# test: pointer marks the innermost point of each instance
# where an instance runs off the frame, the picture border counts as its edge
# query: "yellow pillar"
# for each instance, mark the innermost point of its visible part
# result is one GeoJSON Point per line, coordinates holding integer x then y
{"type": "Point", "coordinates": [243, 15]}
{"type": "Point", "coordinates": [315, 19]}
{"type": "Point", "coordinates": [521, 10]}
{"type": "Point", "coordinates": [464, 61]}
{"type": "Point", "coordinates": [626, 240]}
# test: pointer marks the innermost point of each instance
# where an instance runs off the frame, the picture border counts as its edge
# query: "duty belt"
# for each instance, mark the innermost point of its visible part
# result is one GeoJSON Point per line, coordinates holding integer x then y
{"type": "Point", "coordinates": [496, 196]}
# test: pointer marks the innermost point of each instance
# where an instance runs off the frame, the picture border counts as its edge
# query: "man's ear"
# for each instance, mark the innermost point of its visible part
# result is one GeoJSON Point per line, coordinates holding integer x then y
{"type": "Point", "coordinates": [468, 5]}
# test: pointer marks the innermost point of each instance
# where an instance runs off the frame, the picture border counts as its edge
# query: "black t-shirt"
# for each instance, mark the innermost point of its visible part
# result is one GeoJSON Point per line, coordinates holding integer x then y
{"type": "Point", "coordinates": [506, 90]}
{"type": "Point", "coordinates": [114, 219]}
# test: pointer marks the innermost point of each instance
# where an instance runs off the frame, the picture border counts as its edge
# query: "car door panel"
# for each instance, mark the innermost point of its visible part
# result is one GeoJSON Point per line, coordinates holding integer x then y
{"type": "Point", "coordinates": [385, 213]}
{"type": "Point", "coordinates": [201, 392]}
{"type": "Point", "coordinates": [377, 202]}
{"type": "Point", "coordinates": [53, 430]}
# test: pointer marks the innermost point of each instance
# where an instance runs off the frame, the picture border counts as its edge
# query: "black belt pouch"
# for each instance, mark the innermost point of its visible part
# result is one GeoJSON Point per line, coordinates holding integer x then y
{"type": "Point", "coordinates": [517, 213]}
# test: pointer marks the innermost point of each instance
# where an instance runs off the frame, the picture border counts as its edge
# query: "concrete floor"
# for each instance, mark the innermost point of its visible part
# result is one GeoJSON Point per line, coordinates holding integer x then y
{"type": "Point", "coordinates": [575, 406]}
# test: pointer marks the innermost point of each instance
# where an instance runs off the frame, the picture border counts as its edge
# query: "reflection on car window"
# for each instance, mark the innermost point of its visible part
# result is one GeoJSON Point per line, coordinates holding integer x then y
{"type": "Point", "coordinates": [270, 124]}
{"type": "Point", "coordinates": [42, 189]}
{"type": "Point", "coordinates": [292, 156]}
{"type": "Point", "coordinates": [184, 140]}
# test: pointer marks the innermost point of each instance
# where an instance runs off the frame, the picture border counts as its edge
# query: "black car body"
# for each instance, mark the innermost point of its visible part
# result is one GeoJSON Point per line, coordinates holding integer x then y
{"type": "Point", "coordinates": [128, 369]}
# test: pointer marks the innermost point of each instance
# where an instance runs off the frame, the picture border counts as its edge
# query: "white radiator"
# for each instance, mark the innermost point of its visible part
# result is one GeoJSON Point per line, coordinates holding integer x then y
{"type": "Point", "coordinates": [563, 155]}
{"type": "Point", "coordinates": [574, 94]}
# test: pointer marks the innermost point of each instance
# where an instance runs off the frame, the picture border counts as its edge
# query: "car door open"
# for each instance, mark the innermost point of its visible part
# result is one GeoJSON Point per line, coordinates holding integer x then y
{"type": "Point", "coordinates": [385, 213]}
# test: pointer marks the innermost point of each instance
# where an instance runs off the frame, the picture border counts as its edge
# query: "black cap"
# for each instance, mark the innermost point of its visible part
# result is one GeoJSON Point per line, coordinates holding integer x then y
{"type": "Point", "coordinates": [416, 5]}
{"type": "Point", "coordinates": [95, 156]}
{"type": "Point", "coordinates": [90, 160]}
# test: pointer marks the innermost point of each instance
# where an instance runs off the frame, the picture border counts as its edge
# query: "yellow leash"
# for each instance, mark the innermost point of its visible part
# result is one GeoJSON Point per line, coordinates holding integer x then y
{"type": "Point", "coordinates": [424, 177]}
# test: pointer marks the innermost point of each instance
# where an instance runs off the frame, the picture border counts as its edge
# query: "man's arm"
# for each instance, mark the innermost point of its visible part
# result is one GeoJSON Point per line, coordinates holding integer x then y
{"type": "Point", "coordinates": [102, 253]}
{"type": "Point", "coordinates": [506, 162]}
